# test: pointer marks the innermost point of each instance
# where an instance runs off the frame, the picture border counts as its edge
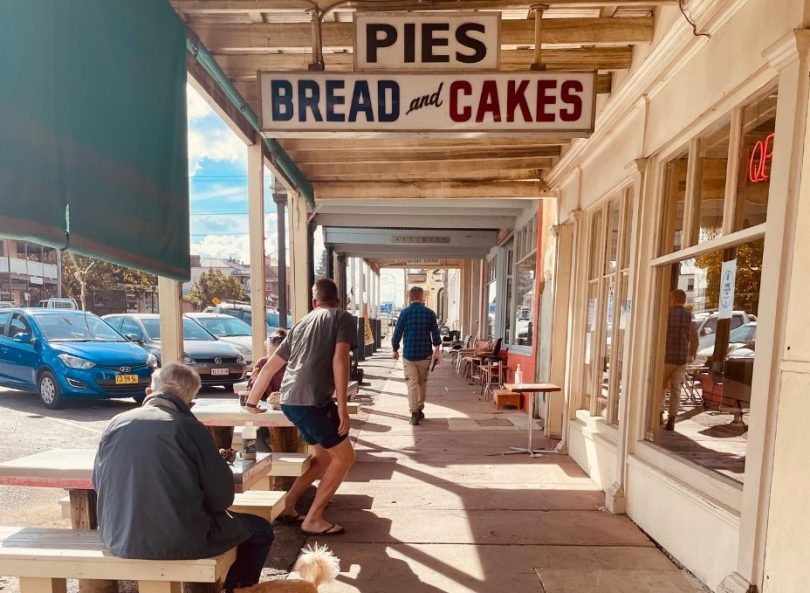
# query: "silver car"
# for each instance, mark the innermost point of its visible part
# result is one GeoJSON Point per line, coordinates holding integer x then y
{"type": "Point", "coordinates": [217, 362]}
{"type": "Point", "coordinates": [229, 329]}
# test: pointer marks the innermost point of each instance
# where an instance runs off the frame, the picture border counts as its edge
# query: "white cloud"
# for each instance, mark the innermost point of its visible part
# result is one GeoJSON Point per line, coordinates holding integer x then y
{"type": "Point", "coordinates": [196, 105]}
{"type": "Point", "coordinates": [208, 136]}
{"type": "Point", "coordinates": [236, 246]}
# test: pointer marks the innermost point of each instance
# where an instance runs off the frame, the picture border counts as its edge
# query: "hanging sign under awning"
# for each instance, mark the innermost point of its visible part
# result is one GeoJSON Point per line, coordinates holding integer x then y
{"type": "Point", "coordinates": [427, 41]}
{"type": "Point", "coordinates": [555, 103]}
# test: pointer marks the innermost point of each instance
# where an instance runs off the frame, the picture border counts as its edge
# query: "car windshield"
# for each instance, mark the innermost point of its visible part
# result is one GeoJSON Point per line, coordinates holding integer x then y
{"type": "Point", "coordinates": [77, 327]}
{"type": "Point", "coordinates": [191, 331]}
{"type": "Point", "coordinates": [743, 334]}
{"type": "Point", "coordinates": [225, 326]}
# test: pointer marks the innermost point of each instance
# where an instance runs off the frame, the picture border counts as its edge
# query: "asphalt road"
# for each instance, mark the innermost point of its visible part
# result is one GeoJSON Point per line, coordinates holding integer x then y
{"type": "Point", "coordinates": [27, 427]}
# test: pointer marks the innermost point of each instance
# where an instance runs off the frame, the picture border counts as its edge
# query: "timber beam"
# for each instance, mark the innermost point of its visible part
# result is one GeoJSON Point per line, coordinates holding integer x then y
{"type": "Point", "coordinates": [246, 66]}
{"type": "Point", "coordinates": [431, 190]}
{"type": "Point", "coordinates": [589, 31]}
{"type": "Point", "coordinates": [202, 7]}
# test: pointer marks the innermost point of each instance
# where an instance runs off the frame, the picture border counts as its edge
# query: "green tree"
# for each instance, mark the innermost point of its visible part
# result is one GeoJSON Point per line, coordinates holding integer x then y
{"type": "Point", "coordinates": [749, 271]}
{"type": "Point", "coordinates": [214, 284]}
{"type": "Point", "coordinates": [83, 276]}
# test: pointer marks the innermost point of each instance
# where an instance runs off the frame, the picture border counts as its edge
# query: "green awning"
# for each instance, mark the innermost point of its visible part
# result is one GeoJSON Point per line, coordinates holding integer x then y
{"type": "Point", "coordinates": [93, 137]}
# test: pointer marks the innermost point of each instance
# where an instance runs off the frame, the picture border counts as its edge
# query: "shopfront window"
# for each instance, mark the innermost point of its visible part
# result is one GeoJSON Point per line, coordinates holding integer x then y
{"type": "Point", "coordinates": [712, 168]}
{"type": "Point", "coordinates": [705, 357]}
{"type": "Point", "coordinates": [492, 297]}
{"type": "Point", "coordinates": [759, 123]}
{"type": "Point", "coordinates": [707, 303]}
{"type": "Point", "coordinates": [607, 309]}
{"type": "Point", "coordinates": [522, 309]}
{"type": "Point", "coordinates": [675, 172]}
{"type": "Point", "coordinates": [509, 321]}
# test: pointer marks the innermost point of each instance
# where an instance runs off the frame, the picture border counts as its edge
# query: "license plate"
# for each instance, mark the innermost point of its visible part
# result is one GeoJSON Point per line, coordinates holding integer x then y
{"type": "Point", "coordinates": [126, 379]}
{"type": "Point", "coordinates": [220, 372]}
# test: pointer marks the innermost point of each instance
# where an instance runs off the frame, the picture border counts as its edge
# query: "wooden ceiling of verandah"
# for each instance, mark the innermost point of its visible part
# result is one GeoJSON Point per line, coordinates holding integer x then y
{"type": "Point", "coordinates": [246, 36]}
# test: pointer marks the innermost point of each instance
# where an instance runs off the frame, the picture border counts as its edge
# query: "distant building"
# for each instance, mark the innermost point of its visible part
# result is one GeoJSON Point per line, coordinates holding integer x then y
{"type": "Point", "coordinates": [28, 272]}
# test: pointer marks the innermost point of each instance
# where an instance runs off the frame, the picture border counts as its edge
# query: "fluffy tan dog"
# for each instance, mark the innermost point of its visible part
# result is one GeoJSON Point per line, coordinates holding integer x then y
{"type": "Point", "coordinates": [317, 566]}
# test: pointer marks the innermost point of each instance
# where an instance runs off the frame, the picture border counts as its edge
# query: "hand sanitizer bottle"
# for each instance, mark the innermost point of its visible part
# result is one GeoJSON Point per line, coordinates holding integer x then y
{"type": "Point", "coordinates": [518, 376]}
{"type": "Point", "coordinates": [249, 442]}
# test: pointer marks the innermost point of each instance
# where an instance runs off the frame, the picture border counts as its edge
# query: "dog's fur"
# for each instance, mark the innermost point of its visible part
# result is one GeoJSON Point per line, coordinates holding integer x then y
{"type": "Point", "coordinates": [317, 566]}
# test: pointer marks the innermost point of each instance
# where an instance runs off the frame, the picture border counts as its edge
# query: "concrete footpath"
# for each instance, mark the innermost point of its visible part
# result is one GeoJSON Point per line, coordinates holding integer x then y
{"type": "Point", "coordinates": [438, 508]}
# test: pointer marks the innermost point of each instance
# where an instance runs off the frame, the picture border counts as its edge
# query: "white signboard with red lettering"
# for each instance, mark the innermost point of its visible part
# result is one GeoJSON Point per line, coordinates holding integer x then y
{"type": "Point", "coordinates": [318, 103]}
{"type": "Point", "coordinates": [427, 41]}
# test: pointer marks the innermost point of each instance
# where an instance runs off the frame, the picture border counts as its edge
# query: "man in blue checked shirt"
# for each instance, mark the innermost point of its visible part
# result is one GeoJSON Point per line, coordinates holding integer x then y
{"type": "Point", "coordinates": [418, 325]}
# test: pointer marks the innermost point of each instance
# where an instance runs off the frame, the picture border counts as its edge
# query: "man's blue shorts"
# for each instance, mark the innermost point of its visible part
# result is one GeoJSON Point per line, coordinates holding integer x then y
{"type": "Point", "coordinates": [318, 426]}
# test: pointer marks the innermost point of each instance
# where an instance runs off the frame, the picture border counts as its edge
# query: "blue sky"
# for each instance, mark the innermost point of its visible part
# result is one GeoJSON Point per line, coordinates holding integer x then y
{"type": "Point", "coordinates": [218, 186]}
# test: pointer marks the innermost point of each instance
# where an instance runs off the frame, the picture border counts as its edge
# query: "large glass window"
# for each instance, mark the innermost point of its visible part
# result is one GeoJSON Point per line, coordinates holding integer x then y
{"type": "Point", "coordinates": [672, 224]}
{"type": "Point", "coordinates": [522, 311]}
{"type": "Point", "coordinates": [492, 297]}
{"type": "Point", "coordinates": [707, 305]}
{"type": "Point", "coordinates": [608, 306]}
{"type": "Point", "coordinates": [710, 197]}
{"type": "Point", "coordinates": [753, 182]}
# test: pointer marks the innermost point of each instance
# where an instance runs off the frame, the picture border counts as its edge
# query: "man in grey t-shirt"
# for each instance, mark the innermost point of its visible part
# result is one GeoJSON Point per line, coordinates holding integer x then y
{"type": "Point", "coordinates": [316, 352]}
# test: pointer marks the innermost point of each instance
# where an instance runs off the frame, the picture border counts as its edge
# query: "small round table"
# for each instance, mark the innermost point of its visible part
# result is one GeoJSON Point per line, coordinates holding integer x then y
{"type": "Point", "coordinates": [530, 388]}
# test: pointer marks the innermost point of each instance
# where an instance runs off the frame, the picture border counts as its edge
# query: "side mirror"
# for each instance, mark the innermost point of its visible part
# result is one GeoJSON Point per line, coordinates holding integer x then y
{"type": "Point", "coordinates": [22, 338]}
{"type": "Point", "coordinates": [134, 338]}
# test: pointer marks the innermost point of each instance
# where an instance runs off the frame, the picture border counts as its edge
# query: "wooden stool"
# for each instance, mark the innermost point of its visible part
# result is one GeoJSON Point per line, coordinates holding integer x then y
{"type": "Point", "coordinates": [504, 397]}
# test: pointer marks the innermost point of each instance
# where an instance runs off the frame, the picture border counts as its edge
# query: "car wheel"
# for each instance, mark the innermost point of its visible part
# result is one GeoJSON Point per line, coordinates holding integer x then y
{"type": "Point", "coordinates": [139, 399]}
{"type": "Point", "coordinates": [49, 391]}
{"type": "Point", "coordinates": [228, 386]}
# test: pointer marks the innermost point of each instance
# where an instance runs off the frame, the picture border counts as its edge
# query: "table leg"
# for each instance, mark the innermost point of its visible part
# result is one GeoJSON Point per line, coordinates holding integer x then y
{"type": "Point", "coordinates": [83, 516]}
{"type": "Point", "coordinates": [222, 435]}
{"type": "Point", "coordinates": [283, 439]}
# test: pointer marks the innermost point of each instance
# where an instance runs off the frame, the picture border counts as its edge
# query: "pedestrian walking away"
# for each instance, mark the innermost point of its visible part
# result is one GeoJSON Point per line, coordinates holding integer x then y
{"type": "Point", "coordinates": [418, 327]}
{"type": "Point", "coordinates": [316, 352]}
{"type": "Point", "coordinates": [681, 348]}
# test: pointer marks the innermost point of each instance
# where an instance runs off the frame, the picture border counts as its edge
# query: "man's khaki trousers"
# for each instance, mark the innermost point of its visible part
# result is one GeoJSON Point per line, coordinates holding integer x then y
{"type": "Point", "coordinates": [416, 375]}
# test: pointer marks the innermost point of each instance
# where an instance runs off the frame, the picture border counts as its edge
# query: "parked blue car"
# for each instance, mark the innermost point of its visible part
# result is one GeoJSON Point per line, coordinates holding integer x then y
{"type": "Point", "coordinates": [63, 354]}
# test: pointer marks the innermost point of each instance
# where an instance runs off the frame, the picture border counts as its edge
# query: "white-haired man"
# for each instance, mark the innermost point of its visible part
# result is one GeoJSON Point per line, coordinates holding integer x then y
{"type": "Point", "coordinates": [164, 489]}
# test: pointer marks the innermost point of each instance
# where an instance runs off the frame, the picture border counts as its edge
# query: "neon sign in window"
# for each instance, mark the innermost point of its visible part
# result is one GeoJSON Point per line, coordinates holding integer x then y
{"type": "Point", "coordinates": [759, 161]}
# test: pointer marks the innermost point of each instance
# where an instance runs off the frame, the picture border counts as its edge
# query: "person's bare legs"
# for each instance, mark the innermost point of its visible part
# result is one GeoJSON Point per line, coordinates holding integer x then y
{"type": "Point", "coordinates": [342, 458]}
{"type": "Point", "coordinates": [320, 462]}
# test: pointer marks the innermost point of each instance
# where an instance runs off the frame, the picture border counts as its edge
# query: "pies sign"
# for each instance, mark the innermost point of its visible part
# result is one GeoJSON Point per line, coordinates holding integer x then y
{"type": "Point", "coordinates": [427, 41]}
{"type": "Point", "coordinates": [322, 103]}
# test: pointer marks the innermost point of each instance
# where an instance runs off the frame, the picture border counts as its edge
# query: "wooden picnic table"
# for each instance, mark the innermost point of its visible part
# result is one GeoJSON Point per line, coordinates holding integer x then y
{"type": "Point", "coordinates": [72, 469]}
{"type": "Point", "coordinates": [532, 388]}
{"type": "Point", "coordinates": [221, 415]}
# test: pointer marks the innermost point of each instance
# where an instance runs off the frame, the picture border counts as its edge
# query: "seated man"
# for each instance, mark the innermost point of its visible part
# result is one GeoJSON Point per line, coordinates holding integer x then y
{"type": "Point", "coordinates": [164, 490]}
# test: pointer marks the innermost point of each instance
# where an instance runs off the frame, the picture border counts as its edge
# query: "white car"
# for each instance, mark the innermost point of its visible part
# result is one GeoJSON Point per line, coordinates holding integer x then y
{"type": "Point", "coordinates": [707, 326]}
{"type": "Point", "coordinates": [228, 329]}
{"type": "Point", "coordinates": [738, 338]}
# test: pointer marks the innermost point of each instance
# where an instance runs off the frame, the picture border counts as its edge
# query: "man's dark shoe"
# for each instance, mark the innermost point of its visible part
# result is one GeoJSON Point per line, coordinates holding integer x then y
{"type": "Point", "coordinates": [670, 424]}
{"type": "Point", "coordinates": [415, 418]}
{"type": "Point", "coordinates": [421, 414]}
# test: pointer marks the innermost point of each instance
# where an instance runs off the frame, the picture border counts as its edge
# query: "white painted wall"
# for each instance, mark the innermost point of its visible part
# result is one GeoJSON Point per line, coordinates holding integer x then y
{"type": "Point", "coordinates": [687, 85]}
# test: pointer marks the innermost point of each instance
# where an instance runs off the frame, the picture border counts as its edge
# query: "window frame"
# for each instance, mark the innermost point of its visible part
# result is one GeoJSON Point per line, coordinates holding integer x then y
{"type": "Point", "coordinates": [692, 248]}
{"type": "Point", "coordinates": [600, 282]}
{"type": "Point", "coordinates": [524, 247]}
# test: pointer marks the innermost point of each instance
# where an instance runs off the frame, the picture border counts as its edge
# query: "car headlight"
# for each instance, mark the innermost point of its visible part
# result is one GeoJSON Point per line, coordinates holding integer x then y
{"type": "Point", "coordinates": [189, 360]}
{"type": "Point", "coordinates": [151, 360]}
{"type": "Point", "coordinates": [75, 362]}
{"type": "Point", "coordinates": [240, 358]}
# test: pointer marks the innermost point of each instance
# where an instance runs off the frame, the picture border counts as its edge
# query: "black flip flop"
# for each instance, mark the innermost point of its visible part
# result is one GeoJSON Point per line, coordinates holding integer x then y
{"type": "Point", "coordinates": [290, 519]}
{"type": "Point", "coordinates": [327, 531]}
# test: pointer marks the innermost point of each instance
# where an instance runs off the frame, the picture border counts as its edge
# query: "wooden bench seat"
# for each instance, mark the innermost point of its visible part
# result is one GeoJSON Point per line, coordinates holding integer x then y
{"type": "Point", "coordinates": [44, 558]}
{"type": "Point", "coordinates": [268, 504]}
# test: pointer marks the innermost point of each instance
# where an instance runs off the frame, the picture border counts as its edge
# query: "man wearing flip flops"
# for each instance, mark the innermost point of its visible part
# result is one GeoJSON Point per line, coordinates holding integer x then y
{"type": "Point", "coordinates": [316, 351]}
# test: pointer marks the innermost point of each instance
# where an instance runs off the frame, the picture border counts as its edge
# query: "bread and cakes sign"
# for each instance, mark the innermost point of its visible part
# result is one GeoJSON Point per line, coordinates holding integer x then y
{"type": "Point", "coordinates": [413, 74]}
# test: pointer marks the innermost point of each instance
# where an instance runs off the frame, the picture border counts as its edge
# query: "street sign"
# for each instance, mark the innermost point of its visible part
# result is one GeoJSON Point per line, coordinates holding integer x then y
{"type": "Point", "coordinates": [386, 308]}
